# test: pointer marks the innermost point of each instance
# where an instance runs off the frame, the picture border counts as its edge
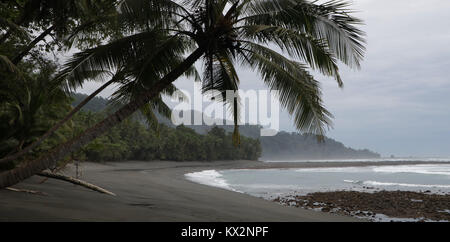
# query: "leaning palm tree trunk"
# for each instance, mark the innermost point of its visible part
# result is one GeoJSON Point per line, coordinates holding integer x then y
{"type": "Point", "coordinates": [56, 126]}
{"type": "Point", "coordinates": [31, 45]}
{"type": "Point", "coordinates": [28, 169]}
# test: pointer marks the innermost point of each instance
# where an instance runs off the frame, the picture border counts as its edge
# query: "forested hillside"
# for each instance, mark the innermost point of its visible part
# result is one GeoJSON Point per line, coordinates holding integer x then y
{"type": "Point", "coordinates": [97, 104]}
{"type": "Point", "coordinates": [283, 146]}
{"type": "Point", "coordinates": [131, 140]}
{"type": "Point", "coordinates": [291, 146]}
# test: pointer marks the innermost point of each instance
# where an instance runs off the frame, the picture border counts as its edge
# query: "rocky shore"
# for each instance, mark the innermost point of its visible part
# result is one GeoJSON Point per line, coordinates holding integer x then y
{"type": "Point", "coordinates": [377, 206]}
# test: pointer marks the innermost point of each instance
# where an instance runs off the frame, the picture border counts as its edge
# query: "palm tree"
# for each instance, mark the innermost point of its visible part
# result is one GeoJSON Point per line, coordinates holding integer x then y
{"type": "Point", "coordinates": [69, 21]}
{"type": "Point", "coordinates": [21, 152]}
{"type": "Point", "coordinates": [123, 76]}
{"type": "Point", "coordinates": [223, 33]}
{"type": "Point", "coordinates": [63, 20]}
{"type": "Point", "coordinates": [28, 106]}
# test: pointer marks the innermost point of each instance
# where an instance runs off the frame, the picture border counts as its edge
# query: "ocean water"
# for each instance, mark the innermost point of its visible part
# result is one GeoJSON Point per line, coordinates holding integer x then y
{"type": "Point", "coordinates": [272, 183]}
{"type": "Point", "coordinates": [411, 159]}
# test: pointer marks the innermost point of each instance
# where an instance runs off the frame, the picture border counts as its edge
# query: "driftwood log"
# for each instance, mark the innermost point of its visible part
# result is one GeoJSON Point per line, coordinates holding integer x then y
{"type": "Point", "coordinates": [75, 181]}
{"type": "Point", "coordinates": [25, 191]}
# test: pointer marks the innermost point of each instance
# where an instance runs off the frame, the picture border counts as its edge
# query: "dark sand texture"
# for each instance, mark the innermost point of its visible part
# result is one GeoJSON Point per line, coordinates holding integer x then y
{"type": "Point", "coordinates": [148, 191]}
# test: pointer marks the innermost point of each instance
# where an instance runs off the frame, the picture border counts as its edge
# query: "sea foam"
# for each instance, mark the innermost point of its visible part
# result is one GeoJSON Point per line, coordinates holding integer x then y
{"type": "Point", "coordinates": [209, 177]}
{"type": "Point", "coordinates": [368, 160]}
{"type": "Point", "coordinates": [334, 169]}
{"type": "Point", "coordinates": [432, 169]}
{"type": "Point", "coordinates": [378, 183]}
{"type": "Point", "coordinates": [375, 183]}
{"type": "Point", "coordinates": [440, 169]}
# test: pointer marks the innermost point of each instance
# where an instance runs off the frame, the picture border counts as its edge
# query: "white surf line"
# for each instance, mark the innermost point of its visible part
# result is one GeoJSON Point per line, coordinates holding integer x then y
{"type": "Point", "coordinates": [210, 178]}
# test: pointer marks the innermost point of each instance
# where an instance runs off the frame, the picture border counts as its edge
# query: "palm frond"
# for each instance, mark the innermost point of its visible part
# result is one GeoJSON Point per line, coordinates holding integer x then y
{"type": "Point", "coordinates": [220, 76]}
{"type": "Point", "coordinates": [138, 14]}
{"type": "Point", "coordinates": [313, 51]}
{"type": "Point", "coordinates": [7, 64]}
{"type": "Point", "coordinates": [149, 109]}
{"type": "Point", "coordinates": [299, 92]}
{"type": "Point", "coordinates": [330, 21]}
{"type": "Point", "coordinates": [154, 48]}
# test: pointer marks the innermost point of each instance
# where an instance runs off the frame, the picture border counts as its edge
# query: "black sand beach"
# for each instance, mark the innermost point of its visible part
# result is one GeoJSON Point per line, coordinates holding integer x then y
{"type": "Point", "coordinates": [146, 191]}
{"type": "Point", "coordinates": [153, 191]}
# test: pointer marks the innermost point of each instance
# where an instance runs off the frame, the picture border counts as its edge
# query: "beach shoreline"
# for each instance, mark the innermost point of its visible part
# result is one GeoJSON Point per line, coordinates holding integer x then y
{"type": "Point", "coordinates": [158, 191]}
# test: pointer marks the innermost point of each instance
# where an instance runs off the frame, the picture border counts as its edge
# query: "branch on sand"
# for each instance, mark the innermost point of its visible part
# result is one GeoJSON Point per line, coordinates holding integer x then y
{"type": "Point", "coordinates": [75, 181]}
{"type": "Point", "coordinates": [26, 191]}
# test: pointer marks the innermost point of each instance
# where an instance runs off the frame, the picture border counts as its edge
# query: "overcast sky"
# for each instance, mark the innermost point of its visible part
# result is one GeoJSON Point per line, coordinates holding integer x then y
{"type": "Point", "coordinates": [399, 102]}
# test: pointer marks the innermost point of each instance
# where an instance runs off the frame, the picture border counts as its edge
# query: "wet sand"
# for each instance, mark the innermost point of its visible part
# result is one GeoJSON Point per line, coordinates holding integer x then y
{"type": "Point", "coordinates": [153, 191]}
